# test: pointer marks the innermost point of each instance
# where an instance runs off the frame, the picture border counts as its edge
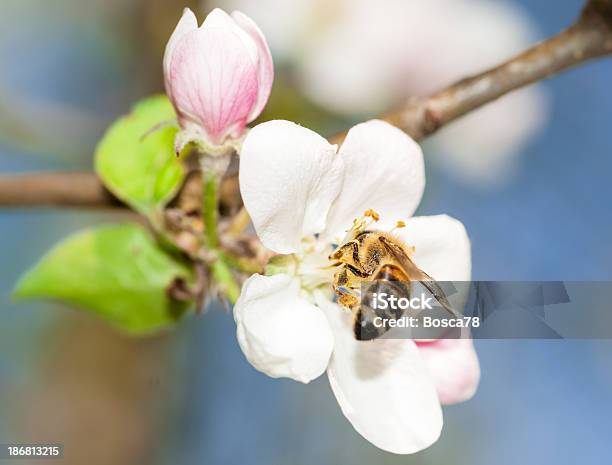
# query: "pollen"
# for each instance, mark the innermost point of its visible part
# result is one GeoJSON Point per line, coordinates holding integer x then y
{"type": "Point", "coordinates": [398, 225]}
{"type": "Point", "coordinates": [361, 224]}
{"type": "Point", "coordinates": [372, 214]}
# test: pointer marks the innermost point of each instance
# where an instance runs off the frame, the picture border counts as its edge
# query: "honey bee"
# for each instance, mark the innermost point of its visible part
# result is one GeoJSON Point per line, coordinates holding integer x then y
{"type": "Point", "coordinates": [381, 258]}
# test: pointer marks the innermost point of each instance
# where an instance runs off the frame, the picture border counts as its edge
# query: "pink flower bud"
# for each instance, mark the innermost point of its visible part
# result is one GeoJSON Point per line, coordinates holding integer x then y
{"type": "Point", "coordinates": [218, 76]}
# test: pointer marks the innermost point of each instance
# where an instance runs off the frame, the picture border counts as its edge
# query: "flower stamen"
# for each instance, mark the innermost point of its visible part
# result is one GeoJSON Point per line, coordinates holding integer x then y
{"type": "Point", "coordinates": [361, 224]}
{"type": "Point", "coordinates": [372, 214]}
{"type": "Point", "coordinates": [400, 224]}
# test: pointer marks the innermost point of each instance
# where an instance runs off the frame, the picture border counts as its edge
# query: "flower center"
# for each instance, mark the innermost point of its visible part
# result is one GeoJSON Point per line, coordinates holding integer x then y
{"type": "Point", "coordinates": [362, 252]}
{"type": "Point", "coordinates": [362, 224]}
{"type": "Point", "coordinates": [315, 266]}
{"type": "Point", "coordinates": [310, 266]}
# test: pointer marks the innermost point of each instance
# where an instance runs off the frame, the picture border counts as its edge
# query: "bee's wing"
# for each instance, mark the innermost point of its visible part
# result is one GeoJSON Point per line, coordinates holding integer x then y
{"type": "Point", "coordinates": [416, 274]}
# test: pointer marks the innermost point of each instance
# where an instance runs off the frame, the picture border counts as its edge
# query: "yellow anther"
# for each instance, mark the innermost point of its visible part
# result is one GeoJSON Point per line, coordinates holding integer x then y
{"type": "Point", "coordinates": [372, 214]}
{"type": "Point", "coordinates": [398, 225]}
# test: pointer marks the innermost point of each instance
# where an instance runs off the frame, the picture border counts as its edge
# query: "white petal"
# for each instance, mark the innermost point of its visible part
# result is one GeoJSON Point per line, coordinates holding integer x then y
{"type": "Point", "coordinates": [289, 176]}
{"type": "Point", "coordinates": [187, 23]}
{"type": "Point", "coordinates": [453, 364]}
{"type": "Point", "coordinates": [442, 246]}
{"type": "Point", "coordinates": [383, 388]}
{"type": "Point", "coordinates": [280, 333]}
{"type": "Point", "coordinates": [384, 170]}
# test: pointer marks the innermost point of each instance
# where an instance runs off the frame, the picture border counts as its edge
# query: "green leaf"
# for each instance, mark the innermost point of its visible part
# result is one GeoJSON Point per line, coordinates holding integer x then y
{"type": "Point", "coordinates": [136, 158]}
{"type": "Point", "coordinates": [116, 271]}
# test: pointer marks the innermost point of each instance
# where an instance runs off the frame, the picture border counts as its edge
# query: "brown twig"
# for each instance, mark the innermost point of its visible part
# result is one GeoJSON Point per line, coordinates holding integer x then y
{"type": "Point", "coordinates": [67, 189]}
{"type": "Point", "coordinates": [80, 189]}
{"type": "Point", "coordinates": [588, 38]}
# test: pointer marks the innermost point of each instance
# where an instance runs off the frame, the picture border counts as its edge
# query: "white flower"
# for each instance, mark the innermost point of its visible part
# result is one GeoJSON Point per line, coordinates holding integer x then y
{"type": "Point", "coordinates": [416, 48]}
{"type": "Point", "coordinates": [303, 196]}
{"type": "Point", "coordinates": [362, 57]}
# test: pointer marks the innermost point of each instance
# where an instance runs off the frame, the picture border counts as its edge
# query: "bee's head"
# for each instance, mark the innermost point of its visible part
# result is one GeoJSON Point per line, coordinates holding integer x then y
{"type": "Point", "coordinates": [343, 254]}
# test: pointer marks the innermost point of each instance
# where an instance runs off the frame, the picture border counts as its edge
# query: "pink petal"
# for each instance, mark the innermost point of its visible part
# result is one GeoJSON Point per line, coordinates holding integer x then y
{"type": "Point", "coordinates": [453, 364]}
{"type": "Point", "coordinates": [217, 18]}
{"type": "Point", "coordinates": [266, 66]}
{"type": "Point", "coordinates": [187, 23]}
{"type": "Point", "coordinates": [213, 77]}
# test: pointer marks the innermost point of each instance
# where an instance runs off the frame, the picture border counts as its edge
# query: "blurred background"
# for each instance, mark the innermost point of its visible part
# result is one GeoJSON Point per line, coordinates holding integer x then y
{"type": "Point", "coordinates": [528, 176]}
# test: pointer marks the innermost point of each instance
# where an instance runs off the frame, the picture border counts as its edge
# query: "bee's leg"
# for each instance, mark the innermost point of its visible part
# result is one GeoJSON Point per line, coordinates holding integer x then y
{"type": "Point", "coordinates": [349, 301]}
{"type": "Point", "coordinates": [350, 249]}
{"type": "Point", "coordinates": [342, 287]}
{"type": "Point", "coordinates": [341, 278]}
{"type": "Point", "coordinates": [357, 272]}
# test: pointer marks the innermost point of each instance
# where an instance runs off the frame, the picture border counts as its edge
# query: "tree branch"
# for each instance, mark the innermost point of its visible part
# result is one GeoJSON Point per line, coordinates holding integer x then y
{"type": "Point", "coordinates": [83, 189]}
{"type": "Point", "coordinates": [66, 189]}
{"type": "Point", "coordinates": [590, 37]}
